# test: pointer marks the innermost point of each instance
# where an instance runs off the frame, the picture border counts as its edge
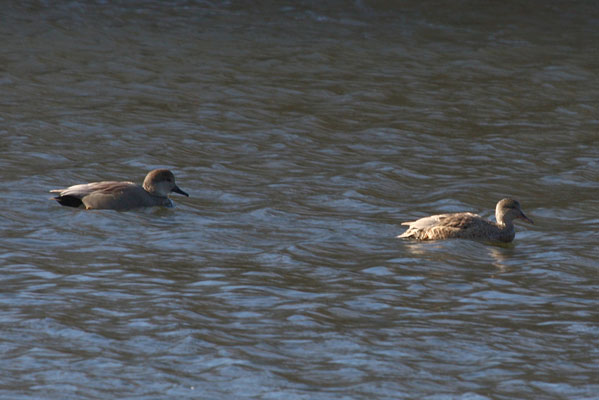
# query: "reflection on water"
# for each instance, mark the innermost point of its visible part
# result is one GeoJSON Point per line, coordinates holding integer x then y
{"type": "Point", "coordinates": [500, 257]}
{"type": "Point", "coordinates": [304, 134]}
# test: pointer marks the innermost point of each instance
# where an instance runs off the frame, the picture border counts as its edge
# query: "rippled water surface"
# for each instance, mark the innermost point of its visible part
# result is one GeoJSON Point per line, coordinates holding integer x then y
{"type": "Point", "coordinates": [305, 133]}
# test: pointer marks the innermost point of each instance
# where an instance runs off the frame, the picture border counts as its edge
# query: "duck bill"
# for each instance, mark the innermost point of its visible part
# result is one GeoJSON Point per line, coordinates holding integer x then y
{"type": "Point", "coordinates": [525, 218]}
{"type": "Point", "coordinates": [177, 190]}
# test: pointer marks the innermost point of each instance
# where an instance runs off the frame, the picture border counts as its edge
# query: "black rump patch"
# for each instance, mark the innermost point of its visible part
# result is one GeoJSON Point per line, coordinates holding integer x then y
{"type": "Point", "coordinates": [69, 201]}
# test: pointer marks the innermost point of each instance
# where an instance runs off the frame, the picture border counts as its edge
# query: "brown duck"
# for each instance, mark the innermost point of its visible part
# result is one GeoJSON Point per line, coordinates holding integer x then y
{"type": "Point", "coordinates": [466, 225]}
{"type": "Point", "coordinates": [122, 195]}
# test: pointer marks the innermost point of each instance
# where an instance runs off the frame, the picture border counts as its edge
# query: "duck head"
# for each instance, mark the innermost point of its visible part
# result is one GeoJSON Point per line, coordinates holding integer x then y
{"type": "Point", "coordinates": [509, 209]}
{"type": "Point", "coordinates": [161, 182]}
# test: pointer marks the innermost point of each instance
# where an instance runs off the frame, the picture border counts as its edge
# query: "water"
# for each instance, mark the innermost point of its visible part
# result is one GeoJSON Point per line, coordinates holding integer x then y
{"type": "Point", "coordinates": [305, 133]}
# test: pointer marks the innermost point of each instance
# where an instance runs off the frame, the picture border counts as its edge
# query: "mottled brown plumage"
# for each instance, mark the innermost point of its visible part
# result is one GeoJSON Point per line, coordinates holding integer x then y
{"type": "Point", "coordinates": [121, 195]}
{"type": "Point", "coordinates": [466, 225]}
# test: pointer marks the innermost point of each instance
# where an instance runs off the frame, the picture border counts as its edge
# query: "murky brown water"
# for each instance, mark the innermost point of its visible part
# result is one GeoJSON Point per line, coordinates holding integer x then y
{"type": "Point", "coordinates": [304, 133]}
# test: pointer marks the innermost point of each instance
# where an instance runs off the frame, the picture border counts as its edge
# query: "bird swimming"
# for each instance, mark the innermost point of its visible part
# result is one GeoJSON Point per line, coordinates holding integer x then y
{"type": "Point", "coordinates": [121, 195]}
{"type": "Point", "coordinates": [467, 225]}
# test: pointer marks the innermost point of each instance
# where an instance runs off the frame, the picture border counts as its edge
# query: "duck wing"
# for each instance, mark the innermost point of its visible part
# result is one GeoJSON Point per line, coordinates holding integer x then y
{"type": "Point", "coordinates": [73, 196]}
{"type": "Point", "coordinates": [106, 187]}
{"type": "Point", "coordinates": [444, 226]}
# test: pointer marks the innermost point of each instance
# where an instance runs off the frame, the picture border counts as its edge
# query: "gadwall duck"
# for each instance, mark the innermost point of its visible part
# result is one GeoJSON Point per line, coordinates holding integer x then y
{"type": "Point", "coordinates": [122, 195]}
{"type": "Point", "coordinates": [466, 225]}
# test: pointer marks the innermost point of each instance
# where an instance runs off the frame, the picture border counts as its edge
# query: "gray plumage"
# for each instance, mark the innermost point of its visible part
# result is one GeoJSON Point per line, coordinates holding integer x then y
{"type": "Point", "coordinates": [122, 195]}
